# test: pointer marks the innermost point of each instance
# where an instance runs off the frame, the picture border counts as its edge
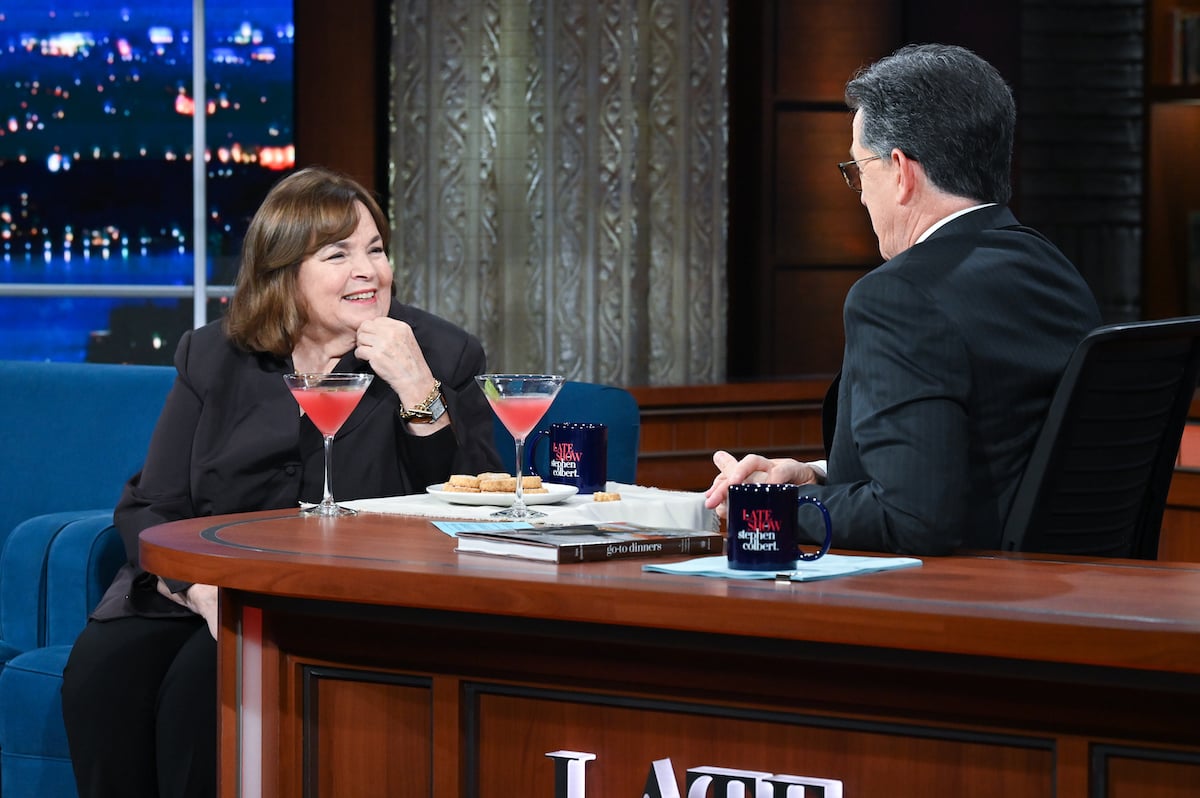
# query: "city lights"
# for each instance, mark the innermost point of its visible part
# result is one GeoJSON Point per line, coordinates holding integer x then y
{"type": "Point", "coordinates": [96, 150]}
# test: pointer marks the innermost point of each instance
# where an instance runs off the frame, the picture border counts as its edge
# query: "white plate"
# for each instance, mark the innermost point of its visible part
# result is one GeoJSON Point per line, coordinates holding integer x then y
{"type": "Point", "coordinates": [556, 493]}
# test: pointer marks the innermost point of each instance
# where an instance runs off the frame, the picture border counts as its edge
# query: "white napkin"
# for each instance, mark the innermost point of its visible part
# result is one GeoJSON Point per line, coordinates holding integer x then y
{"type": "Point", "coordinates": [644, 505]}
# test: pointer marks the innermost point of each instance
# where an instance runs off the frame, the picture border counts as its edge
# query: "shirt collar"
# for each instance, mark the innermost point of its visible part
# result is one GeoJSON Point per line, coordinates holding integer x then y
{"type": "Point", "coordinates": [947, 219]}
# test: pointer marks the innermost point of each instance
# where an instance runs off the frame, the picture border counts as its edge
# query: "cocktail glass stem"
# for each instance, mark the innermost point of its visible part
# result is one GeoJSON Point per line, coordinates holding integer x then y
{"type": "Point", "coordinates": [519, 510]}
{"type": "Point", "coordinates": [327, 505]}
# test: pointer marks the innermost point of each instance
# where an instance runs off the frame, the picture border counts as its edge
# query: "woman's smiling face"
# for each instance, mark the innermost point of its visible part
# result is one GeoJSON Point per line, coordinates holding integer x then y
{"type": "Point", "coordinates": [345, 283]}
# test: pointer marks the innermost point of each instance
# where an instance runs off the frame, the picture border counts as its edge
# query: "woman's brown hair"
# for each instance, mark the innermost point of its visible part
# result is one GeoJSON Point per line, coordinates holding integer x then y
{"type": "Point", "coordinates": [302, 213]}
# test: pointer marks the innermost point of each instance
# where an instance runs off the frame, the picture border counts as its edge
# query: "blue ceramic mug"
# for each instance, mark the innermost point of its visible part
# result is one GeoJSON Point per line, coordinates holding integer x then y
{"type": "Point", "coordinates": [762, 528]}
{"type": "Point", "coordinates": [578, 455]}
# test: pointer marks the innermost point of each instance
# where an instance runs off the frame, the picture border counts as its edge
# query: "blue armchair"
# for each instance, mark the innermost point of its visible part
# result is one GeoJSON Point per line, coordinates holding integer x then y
{"type": "Point", "coordinates": [72, 435]}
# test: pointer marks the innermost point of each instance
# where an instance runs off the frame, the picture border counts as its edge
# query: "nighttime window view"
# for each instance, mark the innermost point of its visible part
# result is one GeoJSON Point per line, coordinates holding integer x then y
{"type": "Point", "coordinates": [96, 166]}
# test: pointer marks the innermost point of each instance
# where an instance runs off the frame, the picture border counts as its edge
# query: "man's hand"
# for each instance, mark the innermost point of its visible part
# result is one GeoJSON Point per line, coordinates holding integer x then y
{"type": "Point", "coordinates": [752, 468]}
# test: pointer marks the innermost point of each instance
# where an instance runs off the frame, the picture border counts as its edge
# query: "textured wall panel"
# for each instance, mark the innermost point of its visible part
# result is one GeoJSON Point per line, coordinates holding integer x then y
{"type": "Point", "coordinates": [558, 181]}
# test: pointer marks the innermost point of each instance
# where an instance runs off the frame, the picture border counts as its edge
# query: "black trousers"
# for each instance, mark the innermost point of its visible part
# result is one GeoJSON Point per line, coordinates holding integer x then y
{"type": "Point", "coordinates": [140, 705]}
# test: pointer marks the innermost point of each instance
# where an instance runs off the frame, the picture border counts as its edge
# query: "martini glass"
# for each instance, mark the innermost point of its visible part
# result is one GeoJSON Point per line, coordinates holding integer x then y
{"type": "Point", "coordinates": [519, 401]}
{"type": "Point", "coordinates": [328, 400]}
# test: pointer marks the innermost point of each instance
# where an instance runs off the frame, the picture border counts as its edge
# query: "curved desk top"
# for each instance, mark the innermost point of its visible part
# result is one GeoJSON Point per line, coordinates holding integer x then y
{"type": "Point", "coordinates": [1127, 615]}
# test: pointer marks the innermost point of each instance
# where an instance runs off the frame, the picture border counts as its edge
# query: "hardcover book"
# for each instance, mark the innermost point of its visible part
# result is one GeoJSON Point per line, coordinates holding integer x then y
{"type": "Point", "coordinates": [591, 542]}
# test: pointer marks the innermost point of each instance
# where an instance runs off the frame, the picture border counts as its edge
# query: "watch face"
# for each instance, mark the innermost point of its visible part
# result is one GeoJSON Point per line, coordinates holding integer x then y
{"type": "Point", "coordinates": [437, 409]}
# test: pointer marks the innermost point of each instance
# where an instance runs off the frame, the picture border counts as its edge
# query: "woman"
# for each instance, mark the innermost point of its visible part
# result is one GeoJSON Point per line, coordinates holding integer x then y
{"type": "Point", "coordinates": [313, 295]}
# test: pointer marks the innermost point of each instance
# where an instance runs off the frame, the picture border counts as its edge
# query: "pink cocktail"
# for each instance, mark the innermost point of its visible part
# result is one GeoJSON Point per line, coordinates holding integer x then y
{"type": "Point", "coordinates": [328, 408]}
{"type": "Point", "coordinates": [328, 400]}
{"type": "Point", "coordinates": [519, 401]}
{"type": "Point", "coordinates": [520, 414]}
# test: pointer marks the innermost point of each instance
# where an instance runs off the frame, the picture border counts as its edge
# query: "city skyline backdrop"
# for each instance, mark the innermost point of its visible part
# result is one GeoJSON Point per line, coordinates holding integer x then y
{"type": "Point", "coordinates": [96, 115]}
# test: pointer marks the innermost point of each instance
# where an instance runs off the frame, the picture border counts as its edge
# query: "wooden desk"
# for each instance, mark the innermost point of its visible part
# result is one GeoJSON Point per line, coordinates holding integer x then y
{"type": "Point", "coordinates": [364, 657]}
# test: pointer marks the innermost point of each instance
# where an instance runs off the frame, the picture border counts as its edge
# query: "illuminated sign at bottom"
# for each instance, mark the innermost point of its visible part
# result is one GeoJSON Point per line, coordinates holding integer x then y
{"type": "Point", "coordinates": [701, 782]}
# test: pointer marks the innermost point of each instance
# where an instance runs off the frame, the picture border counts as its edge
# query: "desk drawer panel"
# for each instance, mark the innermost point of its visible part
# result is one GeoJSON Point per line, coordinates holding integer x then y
{"type": "Point", "coordinates": [511, 730]}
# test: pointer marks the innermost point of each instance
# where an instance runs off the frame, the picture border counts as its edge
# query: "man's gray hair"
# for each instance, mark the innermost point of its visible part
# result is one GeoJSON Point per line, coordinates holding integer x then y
{"type": "Point", "coordinates": [944, 107]}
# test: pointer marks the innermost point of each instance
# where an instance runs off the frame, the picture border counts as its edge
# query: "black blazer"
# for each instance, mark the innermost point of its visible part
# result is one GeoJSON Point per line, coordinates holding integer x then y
{"type": "Point", "coordinates": [231, 439]}
{"type": "Point", "coordinates": [953, 350]}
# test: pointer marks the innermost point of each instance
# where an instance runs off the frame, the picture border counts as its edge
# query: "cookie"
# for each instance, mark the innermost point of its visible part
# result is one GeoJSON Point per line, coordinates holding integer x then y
{"type": "Point", "coordinates": [497, 484]}
{"type": "Point", "coordinates": [508, 484]}
{"type": "Point", "coordinates": [602, 496]}
{"type": "Point", "coordinates": [464, 481]}
{"type": "Point", "coordinates": [452, 488]}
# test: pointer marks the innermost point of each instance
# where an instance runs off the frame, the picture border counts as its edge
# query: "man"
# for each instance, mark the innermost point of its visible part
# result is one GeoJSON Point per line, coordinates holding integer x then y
{"type": "Point", "coordinates": [953, 346]}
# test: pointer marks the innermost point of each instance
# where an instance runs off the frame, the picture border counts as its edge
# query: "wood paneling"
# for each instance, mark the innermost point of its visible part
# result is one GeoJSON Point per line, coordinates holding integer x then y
{"type": "Point", "coordinates": [373, 734]}
{"type": "Point", "coordinates": [341, 107]}
{"type": "Point", "coordinates": [1173, 130]}
{"type": "Point", "coordinates": [1180, 536]}
{"type": "Point", "coordinates": [1172, 176]}
{"type": "Point", "coordinates": [818, 219]}
{"type": "Point", "coordinates": [683, 425]}
{"type": "Point", "coordinates": [790, 209]}
{"type": "Point", "coordinates": [871, 761]}
{"type": "Point", "coordinates": [821, 43]}
{"type": "Point", "coordinates": [1142, 774]}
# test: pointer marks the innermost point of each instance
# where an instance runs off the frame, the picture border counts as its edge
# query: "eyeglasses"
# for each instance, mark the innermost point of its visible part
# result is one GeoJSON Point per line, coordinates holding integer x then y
{"type": "Point", "coordinates": [852, 172]}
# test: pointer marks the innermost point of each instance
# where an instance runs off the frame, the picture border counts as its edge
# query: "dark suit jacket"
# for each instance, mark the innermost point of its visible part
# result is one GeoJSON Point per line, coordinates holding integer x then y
{"type": "Point", "coordinates": [231, 439]}
{"type": "Point", "coordinates": [953, 351]}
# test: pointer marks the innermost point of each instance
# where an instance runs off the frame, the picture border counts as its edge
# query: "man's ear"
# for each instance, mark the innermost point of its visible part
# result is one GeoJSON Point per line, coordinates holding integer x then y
{"type": "Point", "coordinates": [910, 177]}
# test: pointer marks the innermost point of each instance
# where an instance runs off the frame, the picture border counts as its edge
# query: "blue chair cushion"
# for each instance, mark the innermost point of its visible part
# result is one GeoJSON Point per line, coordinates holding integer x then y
{"type": "Point", "coordinates": [34, 759]}
{"type": "Point", "coordinates": [597, 404]}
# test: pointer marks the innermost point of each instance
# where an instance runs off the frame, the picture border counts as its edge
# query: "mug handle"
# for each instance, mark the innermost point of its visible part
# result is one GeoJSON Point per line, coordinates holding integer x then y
{"type": "Point", "coordinates": [816, 555]}
{"type": "Point", "coordinates": [531, 450]}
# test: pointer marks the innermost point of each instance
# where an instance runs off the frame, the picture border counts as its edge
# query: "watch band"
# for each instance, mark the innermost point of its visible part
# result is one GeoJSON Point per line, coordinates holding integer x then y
{"type": "Point", "coordinates": [429, 410]}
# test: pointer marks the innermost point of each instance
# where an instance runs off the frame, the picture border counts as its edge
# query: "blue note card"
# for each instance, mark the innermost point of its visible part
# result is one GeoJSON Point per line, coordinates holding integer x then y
{"type": "Point", "coordinates": [452, 528]}
{"type": "Point", "coordinates": [827, 567]}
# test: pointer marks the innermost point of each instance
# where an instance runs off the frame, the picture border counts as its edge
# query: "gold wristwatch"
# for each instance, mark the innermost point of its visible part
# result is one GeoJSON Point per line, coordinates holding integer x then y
{"type": "Point", "coordinates": [430, 410]}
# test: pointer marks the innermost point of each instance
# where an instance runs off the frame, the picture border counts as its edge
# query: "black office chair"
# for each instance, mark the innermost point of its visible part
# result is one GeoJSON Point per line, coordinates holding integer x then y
{"type": "Point", "coordinates": [1097, 481]}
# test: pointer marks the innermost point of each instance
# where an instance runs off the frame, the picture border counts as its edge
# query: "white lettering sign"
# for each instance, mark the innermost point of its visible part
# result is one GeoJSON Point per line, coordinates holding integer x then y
{"type": "Point", "coordinates": [569, 775]}
{"type": "Point", "coordinates": [570, 781]}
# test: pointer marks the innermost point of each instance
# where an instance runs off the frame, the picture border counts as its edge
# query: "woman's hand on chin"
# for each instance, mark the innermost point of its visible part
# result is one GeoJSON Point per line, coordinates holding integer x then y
{"type": "Point", "coordinates": [392, 350]}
